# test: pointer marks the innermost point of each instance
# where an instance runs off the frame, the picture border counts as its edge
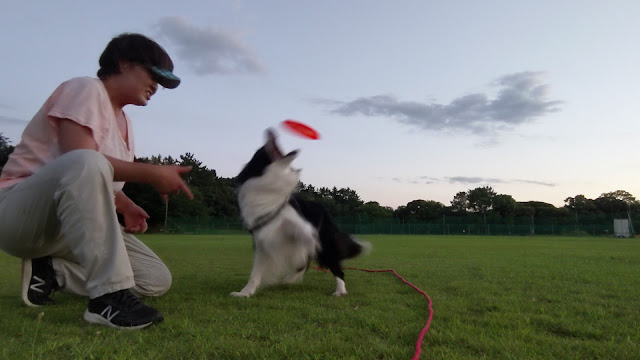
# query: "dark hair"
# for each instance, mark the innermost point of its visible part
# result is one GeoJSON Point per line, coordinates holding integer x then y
{"type": "Point", "coordinates": [135, 48]}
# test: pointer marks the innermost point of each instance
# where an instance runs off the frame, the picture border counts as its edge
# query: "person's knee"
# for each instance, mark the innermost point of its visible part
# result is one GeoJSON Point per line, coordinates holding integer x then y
{"type": "Point", "coordinates": [156, 284]}
{"type": "Point", "coordinates": [88, 161]}
{"type": "Point", "coordinates": [163, 282]}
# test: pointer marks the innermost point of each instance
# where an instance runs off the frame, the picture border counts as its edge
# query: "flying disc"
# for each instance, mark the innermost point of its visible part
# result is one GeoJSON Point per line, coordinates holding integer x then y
{"type": "Point", "coordinates": [301, 129]}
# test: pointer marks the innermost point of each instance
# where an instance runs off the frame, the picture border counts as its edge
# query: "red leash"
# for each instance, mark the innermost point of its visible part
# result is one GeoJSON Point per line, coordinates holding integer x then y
{"type": "Point", "coordinates": [424, 330]}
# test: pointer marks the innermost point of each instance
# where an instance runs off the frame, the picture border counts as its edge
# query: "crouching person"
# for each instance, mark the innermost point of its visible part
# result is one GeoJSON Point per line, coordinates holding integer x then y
{"type": "Point", "coordinates": [61, 191]}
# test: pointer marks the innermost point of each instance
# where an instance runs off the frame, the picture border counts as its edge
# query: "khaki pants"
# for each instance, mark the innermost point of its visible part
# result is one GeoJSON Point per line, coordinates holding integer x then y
{"type": "Point", "coordinates": [66, 210]}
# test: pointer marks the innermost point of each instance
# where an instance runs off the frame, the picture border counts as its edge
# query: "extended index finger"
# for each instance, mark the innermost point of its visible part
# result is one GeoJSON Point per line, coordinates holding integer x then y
{"type": "Point", "coordinates": [186, 190]}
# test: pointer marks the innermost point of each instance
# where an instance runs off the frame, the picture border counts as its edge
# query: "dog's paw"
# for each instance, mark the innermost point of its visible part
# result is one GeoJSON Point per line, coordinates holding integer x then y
{"type": "Point", "coordinates": [341, 289]}
{"type": "Point", "coordinates": [240, 294]}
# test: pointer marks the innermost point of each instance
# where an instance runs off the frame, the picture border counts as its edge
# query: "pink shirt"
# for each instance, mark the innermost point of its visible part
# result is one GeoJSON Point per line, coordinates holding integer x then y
{"type": "Point", "coordinates": [83, 100]}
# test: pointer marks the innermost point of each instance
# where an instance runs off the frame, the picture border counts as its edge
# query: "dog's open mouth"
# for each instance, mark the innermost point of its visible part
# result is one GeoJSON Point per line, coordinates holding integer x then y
{"type": "Point", "coordinates": [273, 150]}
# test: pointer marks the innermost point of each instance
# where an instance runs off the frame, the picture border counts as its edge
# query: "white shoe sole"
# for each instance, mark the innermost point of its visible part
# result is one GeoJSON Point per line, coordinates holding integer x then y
{"type": "Point", "coordinates": [98, 319]}
{"type": "Point", "coordinates": [26, 279]}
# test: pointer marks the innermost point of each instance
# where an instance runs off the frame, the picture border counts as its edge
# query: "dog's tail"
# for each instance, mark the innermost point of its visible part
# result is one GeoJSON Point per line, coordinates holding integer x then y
{"type": "Point", "coordinates": [352, 247]}
{"type": "Point", "coordinates": [365, 245]}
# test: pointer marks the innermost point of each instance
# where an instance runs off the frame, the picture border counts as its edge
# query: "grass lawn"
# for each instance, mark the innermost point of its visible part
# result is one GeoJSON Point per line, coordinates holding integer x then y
{"type": "Point", "coordinates": [493, 298]}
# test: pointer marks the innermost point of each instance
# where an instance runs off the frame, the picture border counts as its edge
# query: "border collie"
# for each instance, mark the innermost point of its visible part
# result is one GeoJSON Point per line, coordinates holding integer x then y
{"type": "Point", "coordinates": [288, 232]}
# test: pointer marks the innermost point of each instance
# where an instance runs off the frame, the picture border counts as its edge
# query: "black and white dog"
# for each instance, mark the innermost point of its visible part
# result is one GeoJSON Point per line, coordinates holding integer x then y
{"type": "Point", "coordinates": [288, 232]}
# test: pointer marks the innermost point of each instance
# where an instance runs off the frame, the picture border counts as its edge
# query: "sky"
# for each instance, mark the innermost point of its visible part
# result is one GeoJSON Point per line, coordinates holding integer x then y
{"type": "Point", "coordinates": [413, 99]}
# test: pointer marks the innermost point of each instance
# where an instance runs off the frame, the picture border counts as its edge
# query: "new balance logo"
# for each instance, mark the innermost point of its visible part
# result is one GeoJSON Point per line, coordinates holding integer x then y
{"type": "Point", "coordinates": [35, 286]}
{"type": "Point", "coordinates": [106, 313]}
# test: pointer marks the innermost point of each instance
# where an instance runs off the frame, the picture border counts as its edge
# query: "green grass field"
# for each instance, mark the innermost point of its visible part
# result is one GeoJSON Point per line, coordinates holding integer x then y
{"type": "Point", "coordinates": [493, 298]}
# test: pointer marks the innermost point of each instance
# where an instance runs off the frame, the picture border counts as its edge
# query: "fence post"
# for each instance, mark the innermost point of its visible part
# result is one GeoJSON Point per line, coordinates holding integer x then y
{"type": "Point", "coordinates": [444, 224]}
{"type": "Point", "coordinates": [166, 212]}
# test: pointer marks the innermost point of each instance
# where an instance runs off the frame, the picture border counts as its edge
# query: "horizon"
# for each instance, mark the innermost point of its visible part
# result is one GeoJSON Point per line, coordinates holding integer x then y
{"type": "Point", "coordinates": [366, 200]}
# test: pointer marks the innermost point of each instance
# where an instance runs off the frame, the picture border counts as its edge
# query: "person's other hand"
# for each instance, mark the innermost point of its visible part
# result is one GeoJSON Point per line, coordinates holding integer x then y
{"type": "Point", "coordinates": [135, 219]}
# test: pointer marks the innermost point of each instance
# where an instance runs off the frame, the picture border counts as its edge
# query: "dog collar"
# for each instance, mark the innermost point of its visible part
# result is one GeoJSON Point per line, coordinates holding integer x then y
{"type": "Point", "coordinates": [263, 220]}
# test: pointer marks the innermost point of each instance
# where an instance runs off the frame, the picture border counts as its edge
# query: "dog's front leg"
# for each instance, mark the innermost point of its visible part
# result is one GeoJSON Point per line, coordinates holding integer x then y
{"type": "Point", "coordinates": [250, 288]}
{"type": "Point", "coordinates": [247, 290]}
{"type": "Point", "coordinates": [254, 279]}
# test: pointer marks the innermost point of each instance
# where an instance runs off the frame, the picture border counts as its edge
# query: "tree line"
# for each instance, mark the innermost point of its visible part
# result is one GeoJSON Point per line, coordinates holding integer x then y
{"type": "Point", "coordinates": [215, 197]}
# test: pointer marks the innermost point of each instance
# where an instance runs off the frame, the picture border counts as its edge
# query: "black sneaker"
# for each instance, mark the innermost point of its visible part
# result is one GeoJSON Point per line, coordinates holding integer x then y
{"type": "Point", "coordinates": [121, 310]}
{"type": "Point", "coordinates": [38, 281]}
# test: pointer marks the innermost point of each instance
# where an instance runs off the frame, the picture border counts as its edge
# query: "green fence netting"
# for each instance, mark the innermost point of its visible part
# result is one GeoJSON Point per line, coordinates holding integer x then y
{"type": "Point", "coordinates": [596, 226]}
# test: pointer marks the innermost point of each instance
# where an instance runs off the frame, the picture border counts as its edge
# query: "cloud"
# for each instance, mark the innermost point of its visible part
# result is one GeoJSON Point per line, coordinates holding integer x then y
{"type": "Point", "coordinates": [480, 180]}
{"type": "Point", "coordinates": [418, 180]}
{"type": "Point", "coordinates": [468, 180]}
{"type": "Point", "coordinates": [533, 182]}
{"type": "Point", "coordinates": [521, 98]}
{"type": "Point", "coordinates": [427, 180]}
{"type": "Point", "coordinates": [209, 51]}
{"type": "Point", "coordinates": [473, 180]}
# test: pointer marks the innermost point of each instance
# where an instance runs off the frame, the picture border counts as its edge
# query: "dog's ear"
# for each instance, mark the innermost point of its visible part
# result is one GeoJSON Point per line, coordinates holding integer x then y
{"type": "Point", "coordinates": [271, 146]}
